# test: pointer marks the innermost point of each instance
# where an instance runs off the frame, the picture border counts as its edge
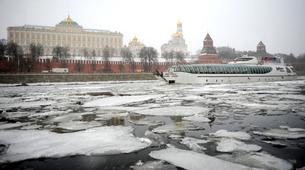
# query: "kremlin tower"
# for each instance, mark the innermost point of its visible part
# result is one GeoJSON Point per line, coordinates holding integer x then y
{"type": "Point", "coordinates": [208, 53]}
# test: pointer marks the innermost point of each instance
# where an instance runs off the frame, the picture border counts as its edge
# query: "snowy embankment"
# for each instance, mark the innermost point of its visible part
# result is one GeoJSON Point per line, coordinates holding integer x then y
{"type": "Point", "coordinates": [29, 144]}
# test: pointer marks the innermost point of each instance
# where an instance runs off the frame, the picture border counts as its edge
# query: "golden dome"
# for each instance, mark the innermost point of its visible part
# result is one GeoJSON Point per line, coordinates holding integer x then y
{"type": "Point", "coordinates": [177, 34]}
{"type": "Point", "coordinates": [69, 20]}
{"type": "Point", "coordinates": [135, 39]}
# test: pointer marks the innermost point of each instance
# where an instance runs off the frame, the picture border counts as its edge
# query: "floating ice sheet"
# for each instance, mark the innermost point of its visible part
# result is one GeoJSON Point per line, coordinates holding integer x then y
{"type": "Point", "coordinates": [12, 125]}
{"type": "Point", "coordinates": [284, 132]}
{"type": "Point", "coordinates": [194, 161]}
{"type": "Point", "coordinates": [119, 100]}
{"type": "Point", "coordinates": [232, 145]}
{"type": "Point", "coordinates": [258, 160]}
{"type": "Point", "coordinates": [197, 118]}
{"type": "Point", "coordinates": [237, 135]}
{"type": "Point", "coordinates": [31, 104]}
{"type": "Point", "coordinates": [177, 127]}
{"type": "Point", "coordinates": [78, 125]}
{"type": "Point", "coordinates": [153, 165]}
{"type": "Point", "coordinates": [28, 144]}
{"type": "Point", "coordinates": [146, 121]}
{"type": "Point", "coordinates": [174, 111]}
{"type": "Point", "coordinates": [193, 143]}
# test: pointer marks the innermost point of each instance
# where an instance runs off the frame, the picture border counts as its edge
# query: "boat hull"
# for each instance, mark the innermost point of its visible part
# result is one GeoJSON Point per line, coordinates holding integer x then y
{"type": "Point", "coordinates": [188, 78]}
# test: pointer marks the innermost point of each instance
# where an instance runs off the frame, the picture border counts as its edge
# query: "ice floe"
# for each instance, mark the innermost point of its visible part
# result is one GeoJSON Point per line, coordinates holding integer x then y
{"type": "Point", "coordinates": [258, 160]}
{"type": "Point", "coordinates": [232, 145]}
{"type": "Point", "coordinates": [32, 104]}
{"type": "Point", "coordinates": [12, 125]}
{"type": "Point", "coordinates": [197, 118]}
{"type": "Point", "coordinates": [153, 165]}
{"type": "Point", "coordinates": [284, 132]}
{"type": "Point", "coordinates": [146, 121]}
{"type": "Point", "coordinates": [177, 127]}
{"type": "Point", "coordinates": [194, 161]}
{"type": "Point", "coordinates": [277, 144]}
{"type": "Point", "coordinates": [119, 100]}
{"type": "Point", "coordinates": [78, 125]}
{"type": "Point", "coordinates": [174, 111]}
{"type": "Point", "coordinates": [28, 144]}
{"type": "Point", "coordinates": [237, 135]}
{"type": "Point", "coordinates": [156, 139]}
{"type": "Point", "coordinates": [193, 143]}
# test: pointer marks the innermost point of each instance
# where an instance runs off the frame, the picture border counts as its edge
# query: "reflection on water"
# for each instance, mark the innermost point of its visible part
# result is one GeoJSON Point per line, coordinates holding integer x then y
{"type": "Point", "coordinates": [88, 117]}
{"type": "Point", "coordinates": [176, 118]}
{"type": "Point", "coordinates": [116, 121]}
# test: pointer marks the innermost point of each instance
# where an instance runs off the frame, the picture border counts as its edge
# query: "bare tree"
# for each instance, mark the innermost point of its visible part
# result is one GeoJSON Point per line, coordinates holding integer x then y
{"type": "Point", "coordinates": [35, 52]}
{"type": "Point", "coordinates": [107, 53]}
{"type": "Point", "coordinates": [93, 55]}
{"type": "Point", "coordinates": [2, 50]}
{"type": "Point", "coordinates": [16, 52]}
{"type": "Point", "coordinates": [129, 58]}
{"type": "Point", "coordinates": [148, 57]}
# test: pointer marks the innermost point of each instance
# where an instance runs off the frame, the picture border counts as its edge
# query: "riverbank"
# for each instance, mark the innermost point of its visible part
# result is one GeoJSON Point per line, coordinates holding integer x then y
{"type": "Point", "coordinates": [37, 78]}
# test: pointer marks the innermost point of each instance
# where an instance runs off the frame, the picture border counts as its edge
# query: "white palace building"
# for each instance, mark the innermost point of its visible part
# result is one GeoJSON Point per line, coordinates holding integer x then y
{"type": "Point", "coordinates": [67, 33]}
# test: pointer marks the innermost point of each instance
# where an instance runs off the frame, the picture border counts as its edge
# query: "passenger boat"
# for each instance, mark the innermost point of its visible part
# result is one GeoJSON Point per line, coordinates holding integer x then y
{"type": "Point", "coordinates": [241, 70]}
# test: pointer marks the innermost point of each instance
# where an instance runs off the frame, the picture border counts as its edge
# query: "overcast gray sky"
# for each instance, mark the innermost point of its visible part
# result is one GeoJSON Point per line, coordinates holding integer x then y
{"type": "Point", "coordinates": [241, 24]}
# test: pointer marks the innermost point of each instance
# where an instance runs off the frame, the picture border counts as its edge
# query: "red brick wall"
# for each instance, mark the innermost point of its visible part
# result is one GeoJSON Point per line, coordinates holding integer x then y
{"type": "Point", "coordinates": [209, 59]}
{"type": "Point", "coordinates": [76, 66]}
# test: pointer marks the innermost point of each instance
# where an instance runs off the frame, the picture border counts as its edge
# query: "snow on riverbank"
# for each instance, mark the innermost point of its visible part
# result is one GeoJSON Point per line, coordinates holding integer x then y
{"type": "Point", "coordinates": [29, 144]}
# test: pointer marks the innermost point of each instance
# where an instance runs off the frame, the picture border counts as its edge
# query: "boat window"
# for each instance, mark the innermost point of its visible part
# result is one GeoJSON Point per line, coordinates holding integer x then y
{"type": "Point", "coordinates": [201, 69]}
{"type": "Point", "coordinates": [197, 68]}
{"type": "Point", "coordinates": [243, 59]}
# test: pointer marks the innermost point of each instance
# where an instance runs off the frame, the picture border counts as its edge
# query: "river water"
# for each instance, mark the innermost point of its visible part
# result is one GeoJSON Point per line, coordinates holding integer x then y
{"type": "Point", "coordinates": [85, 125]}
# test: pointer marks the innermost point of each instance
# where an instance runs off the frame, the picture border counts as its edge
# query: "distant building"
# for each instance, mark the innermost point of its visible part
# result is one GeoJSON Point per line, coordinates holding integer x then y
{"type": "Point", "coordinates": [3, 41]}
{"type": "Point", "coordinates": [261, 50]}
{"type": "Point", "coordinates": [135, 47]}
{"type": "Point", "coordinates": [67, 33]}
{"type": "Point", "coordinates": [177, 43]}
{"type": "Point", "coordinates": [208, 52]}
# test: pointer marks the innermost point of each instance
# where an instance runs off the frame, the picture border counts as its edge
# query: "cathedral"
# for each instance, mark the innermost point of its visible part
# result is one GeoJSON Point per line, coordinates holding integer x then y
{"type": "Point", "coordinates": [177, 42]}
{"type": "Point", "coordinates": [135, 47]}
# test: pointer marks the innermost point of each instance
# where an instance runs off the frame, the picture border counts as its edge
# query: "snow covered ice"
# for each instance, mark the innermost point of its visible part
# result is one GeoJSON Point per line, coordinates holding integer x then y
{"type": "Point", "coordinates": [120, 100]}
{"type": "Point", "coordinates": [259, 160]}
{"type": "Point", "coordinates": [227, 134]}
{"type": "Point", "coordinates": [194, 161]}
{"type": "Point", "coordinates": [284, 132]}
{"type": "Point", "coordinates": [233, 145]}
{"type": "Point", "coordinates": [29, 144]}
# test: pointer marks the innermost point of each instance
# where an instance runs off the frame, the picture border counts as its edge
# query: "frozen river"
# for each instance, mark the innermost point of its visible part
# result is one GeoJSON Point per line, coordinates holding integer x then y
{"type": "Point", "coordinates": [152, 125]}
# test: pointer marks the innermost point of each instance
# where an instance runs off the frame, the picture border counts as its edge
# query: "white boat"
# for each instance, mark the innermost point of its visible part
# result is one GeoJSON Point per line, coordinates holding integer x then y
{"type": "Point", "coordinates": [241, 70]}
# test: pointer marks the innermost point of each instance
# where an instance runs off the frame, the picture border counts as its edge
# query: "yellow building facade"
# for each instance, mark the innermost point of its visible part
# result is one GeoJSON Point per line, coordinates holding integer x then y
{"type": "Point", "coordinates": [67, 33]}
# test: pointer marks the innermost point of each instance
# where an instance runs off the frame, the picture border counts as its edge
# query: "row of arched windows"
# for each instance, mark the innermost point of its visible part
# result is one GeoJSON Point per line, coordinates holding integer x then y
{"type": "Point", "coordinates": [221, 69]}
